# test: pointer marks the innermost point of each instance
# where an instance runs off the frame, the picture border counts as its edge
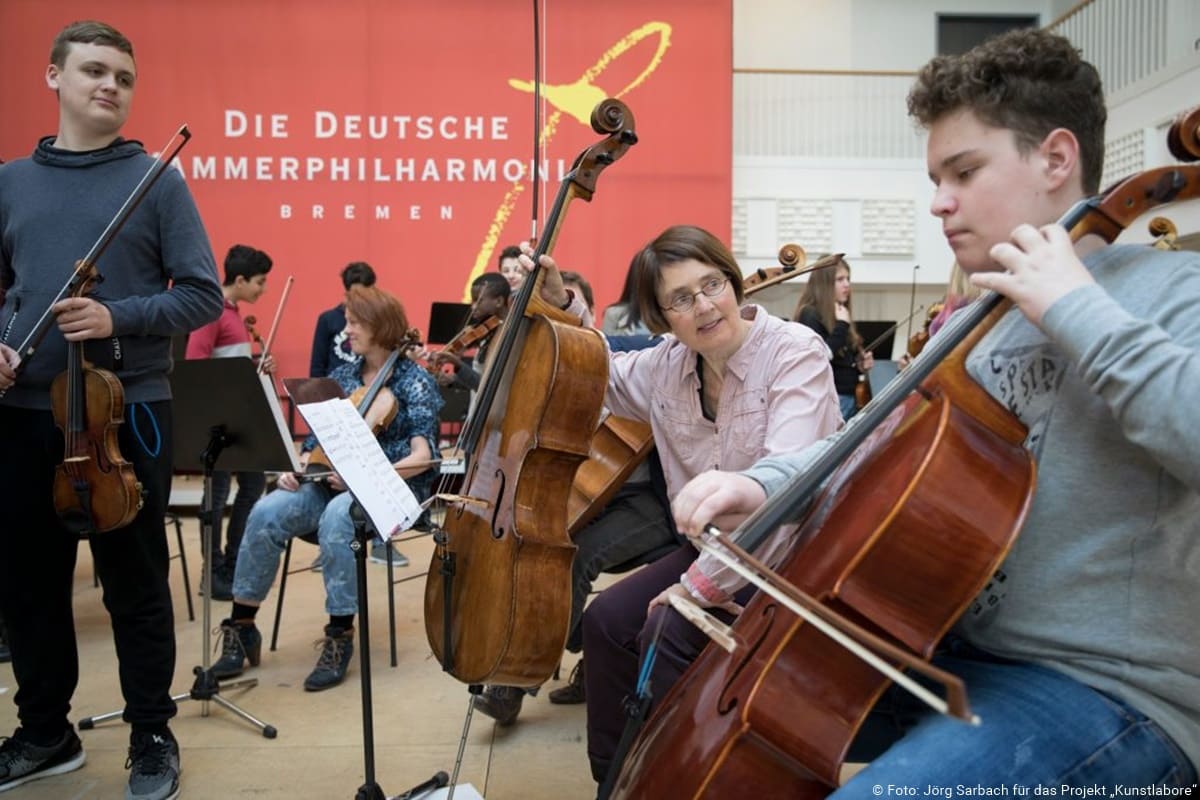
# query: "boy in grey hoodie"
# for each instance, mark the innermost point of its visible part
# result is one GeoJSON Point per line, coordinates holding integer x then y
{"type": "Point", "coordinates": [1083, 660]}
{"type": "Point", "coordinates": [159, 280]}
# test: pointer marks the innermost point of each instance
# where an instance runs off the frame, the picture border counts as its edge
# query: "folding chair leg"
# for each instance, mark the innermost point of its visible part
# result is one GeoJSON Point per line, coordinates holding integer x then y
{"type": "Point", "coordinates": [187, 582]}
{"type": "Point", "coordinates": [287, 559]}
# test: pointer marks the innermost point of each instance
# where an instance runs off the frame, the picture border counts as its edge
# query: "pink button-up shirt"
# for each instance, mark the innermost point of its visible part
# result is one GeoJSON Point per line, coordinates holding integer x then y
{"type": "Point", "coordinates": [777, 397]}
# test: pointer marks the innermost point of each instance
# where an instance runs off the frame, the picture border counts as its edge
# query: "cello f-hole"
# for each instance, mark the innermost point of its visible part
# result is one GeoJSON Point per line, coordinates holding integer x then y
{"type": "Point", "coordinates": [729, 697]}
{"type": "Point", "coordinates": [497, 530]}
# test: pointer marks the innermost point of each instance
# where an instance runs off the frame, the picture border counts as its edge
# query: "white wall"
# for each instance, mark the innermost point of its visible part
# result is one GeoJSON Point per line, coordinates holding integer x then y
{"type": "Point", "coordinates": [853, 34]}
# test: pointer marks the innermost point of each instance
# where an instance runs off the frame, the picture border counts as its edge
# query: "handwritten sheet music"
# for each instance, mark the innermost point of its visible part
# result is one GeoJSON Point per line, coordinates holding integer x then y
{"type": "Point", "coordinates": [362, 465]}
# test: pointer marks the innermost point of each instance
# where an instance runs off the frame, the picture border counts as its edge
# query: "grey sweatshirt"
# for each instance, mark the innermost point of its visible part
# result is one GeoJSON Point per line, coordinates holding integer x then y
{"type": "Point", "coordinates": [53, 207]}
{"type": "Point", "coordinates": [1103, 584]}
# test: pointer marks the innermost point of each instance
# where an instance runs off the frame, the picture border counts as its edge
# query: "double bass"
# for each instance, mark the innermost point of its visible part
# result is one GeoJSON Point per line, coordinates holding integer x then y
{"type": "Point", "coordinates": [498, 593]}
{"type": "Point", "coordinates": [902, 558]}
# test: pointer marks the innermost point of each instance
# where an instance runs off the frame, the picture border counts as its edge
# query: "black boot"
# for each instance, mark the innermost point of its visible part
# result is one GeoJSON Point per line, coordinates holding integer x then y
{"type": "Point", "coordinates": [240, 642]}
{"type": "Point", "coordinates": [336, 650]}
{"type": "Point", "coordinates": [501, 703]}
{"type": "Point", "coordinates": [573, 693]}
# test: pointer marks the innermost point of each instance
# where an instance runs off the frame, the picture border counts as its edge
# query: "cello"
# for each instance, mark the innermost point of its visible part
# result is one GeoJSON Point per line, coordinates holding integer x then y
{"type": "Point", "coordinates": [779, 715]}
{"type": "Point", "coordinates": [498, 593]}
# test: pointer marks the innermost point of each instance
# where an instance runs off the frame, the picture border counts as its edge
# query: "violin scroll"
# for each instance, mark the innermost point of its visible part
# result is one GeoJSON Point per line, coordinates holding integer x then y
{"type": "Point", "coordinates": [791, 255]}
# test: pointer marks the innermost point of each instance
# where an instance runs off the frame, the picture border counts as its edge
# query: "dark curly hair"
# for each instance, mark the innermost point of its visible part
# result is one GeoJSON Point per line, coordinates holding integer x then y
{"type": "Point", "coordinates": [1028, 81]}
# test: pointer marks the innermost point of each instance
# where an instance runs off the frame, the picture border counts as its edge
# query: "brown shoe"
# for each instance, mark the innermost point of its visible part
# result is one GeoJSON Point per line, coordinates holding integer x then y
{"type": "Point", "coordinates": [501, 703]}
{"type": "Point", "coordinates": [573, 693]}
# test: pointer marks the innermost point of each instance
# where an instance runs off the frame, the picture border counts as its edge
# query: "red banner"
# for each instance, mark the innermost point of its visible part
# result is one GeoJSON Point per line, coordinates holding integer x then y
{"type": "Point", "coordinates": [401, 133]}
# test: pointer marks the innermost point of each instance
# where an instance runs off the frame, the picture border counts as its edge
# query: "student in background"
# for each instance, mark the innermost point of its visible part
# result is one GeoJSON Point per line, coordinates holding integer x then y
{"type": "Point", "coordinates": [246, 271]}
{"type": "Point", "coordinates": [330, 348]}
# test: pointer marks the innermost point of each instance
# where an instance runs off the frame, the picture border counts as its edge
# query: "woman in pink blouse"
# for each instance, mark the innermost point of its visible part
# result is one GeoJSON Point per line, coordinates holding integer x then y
{"type": "Point", "coordinates": [730, 385]}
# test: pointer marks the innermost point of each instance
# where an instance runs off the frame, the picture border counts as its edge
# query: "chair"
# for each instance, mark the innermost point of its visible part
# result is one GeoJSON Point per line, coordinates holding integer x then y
{"type": "Point", "coordinates": [311, 538]}
{"type": "Point", "coordinates": [171, 518]}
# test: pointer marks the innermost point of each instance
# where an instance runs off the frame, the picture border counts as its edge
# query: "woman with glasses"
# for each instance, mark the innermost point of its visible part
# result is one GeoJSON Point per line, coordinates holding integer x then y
{"type": "Point", "coordinates": [729, 386]}
{"type": "Point", "coordinates": [825, 307]}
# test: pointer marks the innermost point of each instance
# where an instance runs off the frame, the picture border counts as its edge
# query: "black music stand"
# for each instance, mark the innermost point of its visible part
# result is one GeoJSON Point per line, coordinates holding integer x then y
{"type": "Point", "coordinates": [222, 413]}
{"type": "Point", "coordinates": [315, 390]}
{"type": "Point", "coordinates": [446, 320]}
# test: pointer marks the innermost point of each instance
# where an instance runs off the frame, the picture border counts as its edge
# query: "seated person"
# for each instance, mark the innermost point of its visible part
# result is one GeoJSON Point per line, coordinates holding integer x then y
{"type": "Point", "coordinates": [375, 326]}
{"type": "Point", "coordinates": [490, 294]}
{"type": "Point", "coordinates": [330, 348]}
{"type": "Point", "coordinates": [580, 286]}
{"type": "Point", "coordinates": [1085, 668]}
{"type": "Point", "coordinates": [732, 385]}
{"type": "Point", "coordinates": [509, 265]}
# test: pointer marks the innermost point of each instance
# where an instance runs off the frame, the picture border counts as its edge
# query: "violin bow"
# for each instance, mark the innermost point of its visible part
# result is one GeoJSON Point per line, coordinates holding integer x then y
{"type": "Point", "coordinates": [912, 300]}
{"type": "Point", "coordinates": [287, 288]}
{"type": "Point", "coordinates": [879, 339]}
{"type": "Point", "coordinates": [85, 267]}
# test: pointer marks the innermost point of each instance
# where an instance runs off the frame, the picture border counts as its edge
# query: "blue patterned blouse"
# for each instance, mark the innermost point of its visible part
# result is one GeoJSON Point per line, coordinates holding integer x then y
{"type": "Point", "coordinates": [419, 402]}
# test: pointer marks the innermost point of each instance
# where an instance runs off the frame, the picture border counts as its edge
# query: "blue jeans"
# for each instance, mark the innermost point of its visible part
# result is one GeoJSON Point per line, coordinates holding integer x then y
{"type": "Point", "coordinates": [848, 405]}
{"type": "Point", "coordinates": [1039, 728]}
{"type": "Point", "coordinates": [283, 515]}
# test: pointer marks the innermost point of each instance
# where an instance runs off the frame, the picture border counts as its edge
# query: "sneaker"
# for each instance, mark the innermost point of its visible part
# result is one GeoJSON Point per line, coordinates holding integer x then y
{"type": "Point", "coordinates": [379, 554]}
{"type": "Point", "coordinates": [153, 766]}
{"type": "Point", "coordinates": [22, 761]}
{"type": "Point", "coordinates": [240, 642]}
{"type": "Point", "coordinates": [501, 703]}
{"type": "Point", "coordinates": [336, 649]}
{"type": "Point", "coordinates": [573, 693]}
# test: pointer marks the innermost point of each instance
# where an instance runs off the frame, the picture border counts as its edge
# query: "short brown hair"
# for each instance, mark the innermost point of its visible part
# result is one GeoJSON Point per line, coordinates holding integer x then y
{"type": "Point", "coordinates": [379, 312]}
{"type": "Point", "coordinates": [87, 32]}
{"type": "Point", "coordinates": [675, 244]}
{"type": "Point", "coordinates": [1027, 81]}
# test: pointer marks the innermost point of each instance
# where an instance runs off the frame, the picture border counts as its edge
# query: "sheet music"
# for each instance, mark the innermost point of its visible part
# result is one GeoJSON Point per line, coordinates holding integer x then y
{"type": "Point", "coordinates": [362, 465]}
{"type": "Point", "coordinates": [281, 425]}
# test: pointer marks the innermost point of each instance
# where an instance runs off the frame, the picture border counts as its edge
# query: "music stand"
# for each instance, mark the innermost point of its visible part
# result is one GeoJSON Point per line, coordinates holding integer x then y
{"type": "Point", "coordinates": [315, 390]}
{"type": "Point", "coordinates": [870, 330]}
{"type": "Point", "coordinates": [446, 320]}
{"type": "Point", "coordinates": [224, 411]}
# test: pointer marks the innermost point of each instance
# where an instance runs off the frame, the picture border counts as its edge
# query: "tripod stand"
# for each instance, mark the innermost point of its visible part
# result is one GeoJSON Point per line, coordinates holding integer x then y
{"type": "Point", "coordinates": [222, 408]}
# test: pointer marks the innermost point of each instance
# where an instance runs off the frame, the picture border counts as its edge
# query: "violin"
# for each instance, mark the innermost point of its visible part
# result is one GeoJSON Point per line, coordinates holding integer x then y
{"type": "Point", "coordinates": [791, 263]}
{"type": "Point", "coordinates": [464, 340]}
{"type": "Point", "coordinates": [916, 342]}
{"type": "Point", "coordinates": [95, 488]}
{"type": "Point", "coordinates": [250, 322]}
{"type": "Point", "coordinates": [374, 403]}
{"type": "Point", "coordinates": [777, 717]}
{"type": "Point", "coordinates": [791, 259]}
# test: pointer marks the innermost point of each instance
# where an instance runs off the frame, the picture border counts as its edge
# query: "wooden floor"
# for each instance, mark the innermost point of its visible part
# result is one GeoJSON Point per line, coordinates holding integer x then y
{"type": "Point", "coordinates": [419, 710]}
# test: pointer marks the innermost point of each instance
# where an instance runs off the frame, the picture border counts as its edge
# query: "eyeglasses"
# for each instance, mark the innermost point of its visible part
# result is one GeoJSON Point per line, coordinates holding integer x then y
{"type": "Point", "coordinates": [683, 303]}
